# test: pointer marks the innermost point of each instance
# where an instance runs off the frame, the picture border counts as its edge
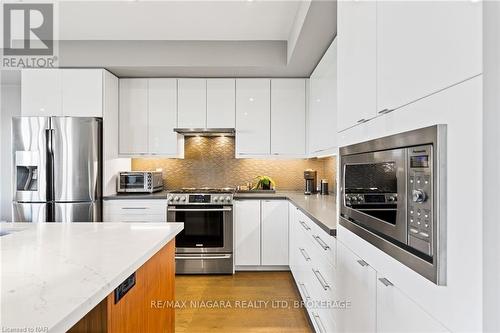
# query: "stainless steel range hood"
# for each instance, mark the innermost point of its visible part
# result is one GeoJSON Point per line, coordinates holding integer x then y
{"type": "Point", "coordinates": [205, 131]}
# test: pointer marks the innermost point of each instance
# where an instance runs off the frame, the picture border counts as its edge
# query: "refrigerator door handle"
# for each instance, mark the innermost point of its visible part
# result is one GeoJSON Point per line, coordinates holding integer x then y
{"type": "Point", "coordinates": [49, 135]}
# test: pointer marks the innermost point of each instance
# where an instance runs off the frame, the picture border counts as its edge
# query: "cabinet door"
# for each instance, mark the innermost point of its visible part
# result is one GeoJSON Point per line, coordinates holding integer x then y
{"type": "Point", "coordinates": [221, 103]}
{"type": "Point", "coordinates": [323, 103]}
{"type": "Point", "coordinates": [398, 313]}
{"type": "Point", "coordinates": [247, 232]}
{"type": "Point", "coordinates": [274, 232]}
{"type": "Point", "coordinates": [357, 49]}
{"type": "Point", "coordinates": [162, 100]}
{"type": "Point", "coordinates": [415, 59]}
{"type": "Point", "coordinates": [356, 282]}
{"type": "Point", "coordinates": [41, 92]}
{"type": "Point", "coordinates": [133, 116]}
{"type": "Point", "coordinates": [288, 117]}
{"type": "Point", "coordinates": [192, 103]}
{"type": "Point", "coordinates": [253, 113]}
{"type": "Point", "coordinates": [82, 91]}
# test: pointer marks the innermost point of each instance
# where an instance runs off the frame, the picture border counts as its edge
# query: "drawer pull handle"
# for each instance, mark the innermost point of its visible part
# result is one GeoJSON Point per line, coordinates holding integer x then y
{"type": "Point", "coordinates": [305, 225]}
{"type": "Point", "coordinates": [386, 282]}
{"type": "Point", "coordinates": [321, 279]}
{"type": "Point", "coordinates": [304, 291]}
{"type": "Point", "coordinates": [362, 263]}
{"type": "Point", "coordinates": [304, 254]}
{"type": "Point", "coordinates": [321, 242]}
{"type": "Point", "coordinates": [134, 208]}
{"type": "Point", "coordinates": [384, 111]}
{"type": "Point", "coordinates": [319, 323]}
{"type": "Point", "coordinates": [363, 120]}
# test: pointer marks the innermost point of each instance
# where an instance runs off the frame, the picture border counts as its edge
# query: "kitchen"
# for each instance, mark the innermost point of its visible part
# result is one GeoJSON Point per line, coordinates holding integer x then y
{"type": "Point", "coordinates": [305, 173]}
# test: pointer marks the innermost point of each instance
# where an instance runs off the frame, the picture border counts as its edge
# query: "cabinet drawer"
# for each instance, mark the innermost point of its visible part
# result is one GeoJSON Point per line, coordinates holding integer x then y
{"type": "Point", "coordinates": [322, 320]}
{"type": "Point", "coordinates": [156, 218]}
{"type": "Point", "coordinates": [324, 243]}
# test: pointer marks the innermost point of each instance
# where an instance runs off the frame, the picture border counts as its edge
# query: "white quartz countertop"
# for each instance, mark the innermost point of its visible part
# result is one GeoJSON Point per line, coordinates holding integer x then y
{"type": "Point", "coordinates": [52, 274]}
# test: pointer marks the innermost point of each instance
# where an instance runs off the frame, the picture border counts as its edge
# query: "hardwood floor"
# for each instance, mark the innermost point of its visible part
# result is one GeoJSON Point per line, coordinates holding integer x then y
{"type": "Point", "coordinates": [225, 303]}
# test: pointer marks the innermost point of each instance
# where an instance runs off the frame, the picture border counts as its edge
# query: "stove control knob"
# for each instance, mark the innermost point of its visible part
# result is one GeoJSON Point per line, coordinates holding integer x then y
{"type": "Point", "coordinates": [176, 199]}
{"type": "Point", "coordinates": [169, 198]}
{"type": "Point", "coordinates": [354, 199]}
{"type": "Point", "coordinates": [216, 199]}
{"type": "Point", "coordinates": [228, 199]}
{"type": "Point", "coordinates": [419, 196]}
{"type": "Point", "coordinates": [183, 198]}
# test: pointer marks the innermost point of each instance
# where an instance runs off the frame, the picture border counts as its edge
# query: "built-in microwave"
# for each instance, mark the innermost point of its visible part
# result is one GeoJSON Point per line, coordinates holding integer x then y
{"type": "Point", "coordinates": [393, 195]}
{"type": "Point", "coordinates": [139, 182]}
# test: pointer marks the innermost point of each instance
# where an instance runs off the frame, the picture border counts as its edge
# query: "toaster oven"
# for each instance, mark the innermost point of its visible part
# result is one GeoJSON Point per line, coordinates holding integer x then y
{"type": "Point", "coordinates": [139, 182]}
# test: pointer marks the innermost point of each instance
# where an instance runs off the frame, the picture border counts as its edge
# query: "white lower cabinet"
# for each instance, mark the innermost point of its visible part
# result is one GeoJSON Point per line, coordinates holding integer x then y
{"type": "Point", "coordinates": [398, 313]}
{"type": "Point", "coordinates": [274, 222]}
{"type": "Point", "coordinates": [247, 232]}
{"type": "Point", "coordinates": [356, 282]}
{"type": "Point", "coordinates": [261, 232]}
{"type": "Point", "coordinates": [128, 210]}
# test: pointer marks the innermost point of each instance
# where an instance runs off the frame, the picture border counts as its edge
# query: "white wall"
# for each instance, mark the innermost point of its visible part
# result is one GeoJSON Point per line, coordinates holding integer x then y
{"type": "Point", "coordinates": [10, 106]}
{"type": "Point", "coordinates": [491, 166]}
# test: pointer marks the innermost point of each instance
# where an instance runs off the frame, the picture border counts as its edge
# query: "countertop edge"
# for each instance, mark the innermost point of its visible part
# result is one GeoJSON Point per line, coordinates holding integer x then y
{"type": "Point", "coordinates": [328, 230]}
{"type": "Point", "coordinates": [72, 318]}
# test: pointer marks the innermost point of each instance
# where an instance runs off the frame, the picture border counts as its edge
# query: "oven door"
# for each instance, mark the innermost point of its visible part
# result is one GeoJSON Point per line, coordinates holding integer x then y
{"type": "Point", "coordinates": [376, 173]}
{"type": "Point", "coordinates": [207, 228]}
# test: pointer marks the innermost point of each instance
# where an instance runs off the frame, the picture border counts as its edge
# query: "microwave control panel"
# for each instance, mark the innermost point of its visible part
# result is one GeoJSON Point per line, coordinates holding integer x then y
{"type": "Point", "coordinates": [420, 199]}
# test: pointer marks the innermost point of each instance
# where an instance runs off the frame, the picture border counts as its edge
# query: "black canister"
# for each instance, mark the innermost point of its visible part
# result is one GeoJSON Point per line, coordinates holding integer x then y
{"type": "Point", "coordinates": [324, 186]}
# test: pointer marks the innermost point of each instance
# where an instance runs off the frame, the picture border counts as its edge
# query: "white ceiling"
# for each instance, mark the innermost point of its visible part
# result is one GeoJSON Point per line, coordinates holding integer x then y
{"type": "Point", "coordinates": [233, 20]}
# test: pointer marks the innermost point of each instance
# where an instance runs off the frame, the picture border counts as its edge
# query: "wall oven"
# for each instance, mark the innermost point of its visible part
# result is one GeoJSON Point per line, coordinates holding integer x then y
{"type": "Point", "coordinates": [393, 196]}
{"type": "Point", "coordinates": [205, 246]}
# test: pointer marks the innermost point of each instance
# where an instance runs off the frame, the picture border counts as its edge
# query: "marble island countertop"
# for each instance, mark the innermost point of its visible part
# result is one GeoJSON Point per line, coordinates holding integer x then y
{"type": "Point", "coordinates": [52, 274]}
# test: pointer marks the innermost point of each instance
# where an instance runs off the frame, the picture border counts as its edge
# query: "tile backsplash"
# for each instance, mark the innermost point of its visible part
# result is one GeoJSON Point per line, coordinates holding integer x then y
{"type": "Point", "coordinates": [210, 161]}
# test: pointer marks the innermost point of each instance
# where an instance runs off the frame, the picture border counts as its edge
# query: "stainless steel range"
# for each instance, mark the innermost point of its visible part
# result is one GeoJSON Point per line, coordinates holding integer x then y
{"type": "Point", "coordinates": [205, 246]}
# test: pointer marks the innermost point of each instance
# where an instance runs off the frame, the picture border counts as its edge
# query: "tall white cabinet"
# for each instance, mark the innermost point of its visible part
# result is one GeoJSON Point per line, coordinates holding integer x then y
{"type": "Point", "coordinates": [253, 117]}
{"type": "Point", "coordinates": [322, 120]}
{"type": "Point", "coordinates": [357, 62]}
{"type": "Point", "coordinates": [288, 117]}
{"type": "Point", "coordinates": [133, 116]}
{"type": "Point", "coordinates": [416, 59]}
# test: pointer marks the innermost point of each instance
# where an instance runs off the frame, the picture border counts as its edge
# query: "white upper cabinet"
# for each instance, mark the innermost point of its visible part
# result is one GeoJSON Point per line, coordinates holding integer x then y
{"type": "Point", "coordinates": [422, 47]}
{"type": "Point", "coordinates": [356, 282]}
{"type": "Point", "coordinates": [396, 312]}
{"type": "Point", "coordinates": [192, 103]}
{"type": "Point", "coordinates": [162, 116]}
{"type": "Point", "coordinates": [41, 92]}
{"type": "Point", "coordinates": [247, 232]}
{"type": "Point", "coordinates": [221, 103]}
{"type": "Point", "coordinates": [274, 232]}
{"type": "Point", "coordinates": [357, 62]}
{"type": "Point", "coordinates": [323, 104]}
{"type": "Point", "coordinates": [253, 123]}
{"type": "Point", "coordinates": [288, 117]}
{"type": "Point", "coordinates": [82, 92]}
{"type": "Point", "coordinates": [133, 116]}
{"type": "Point", "coordinates": [62, 92]}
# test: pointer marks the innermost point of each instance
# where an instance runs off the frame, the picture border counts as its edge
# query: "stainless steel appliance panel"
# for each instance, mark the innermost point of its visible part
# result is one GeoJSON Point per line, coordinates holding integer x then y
{"type": "Point", "coordinates": [30, 212]}
{"type": "Point", "coordinates": [77, 212]}
{"type": "Point", "coordinates": [76, 146]}
{"type": "Point", "coordinates": [29, 146]}
{"type": "Point", "coordinates": [204, 263]}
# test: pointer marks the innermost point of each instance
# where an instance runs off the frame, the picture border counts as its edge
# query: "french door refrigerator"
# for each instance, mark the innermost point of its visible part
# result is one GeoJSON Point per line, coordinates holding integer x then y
{"type": "Point", "coordinates": [57, 169]}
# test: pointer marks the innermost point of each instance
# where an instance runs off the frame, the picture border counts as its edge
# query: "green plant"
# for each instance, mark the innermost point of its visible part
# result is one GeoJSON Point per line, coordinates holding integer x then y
{"type": "Point", "coordinates": [264, 182]}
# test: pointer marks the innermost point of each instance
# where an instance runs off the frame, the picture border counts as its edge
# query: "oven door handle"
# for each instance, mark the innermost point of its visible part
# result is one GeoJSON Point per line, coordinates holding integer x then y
{"type": "Point", "coordinates": [199, 210]}
{"type": "Point", "coordinates": [224, 256]}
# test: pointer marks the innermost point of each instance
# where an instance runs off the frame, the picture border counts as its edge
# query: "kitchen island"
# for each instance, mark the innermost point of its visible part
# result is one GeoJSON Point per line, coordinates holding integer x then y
{"type": "Point", "coordinates": [58, 277]}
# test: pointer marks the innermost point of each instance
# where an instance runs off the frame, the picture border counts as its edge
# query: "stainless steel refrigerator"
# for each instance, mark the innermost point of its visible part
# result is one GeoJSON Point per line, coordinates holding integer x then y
{"type": "Point", "coordinates": [57, 169]}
